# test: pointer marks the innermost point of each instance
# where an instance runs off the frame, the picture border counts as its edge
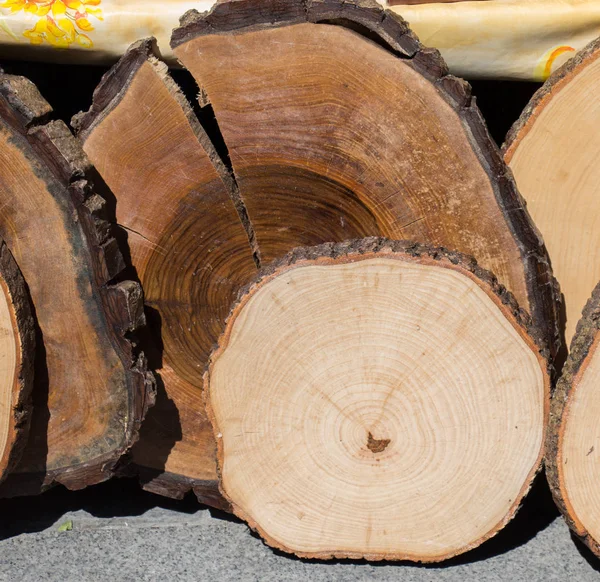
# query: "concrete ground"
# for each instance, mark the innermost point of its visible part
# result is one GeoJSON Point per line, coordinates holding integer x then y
{"type": "Point", "coordinates": [120, 533]}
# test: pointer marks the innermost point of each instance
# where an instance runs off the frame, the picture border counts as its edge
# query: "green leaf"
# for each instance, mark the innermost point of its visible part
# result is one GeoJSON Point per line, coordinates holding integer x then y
{"type": "Point", "coordinates": [67, 526]}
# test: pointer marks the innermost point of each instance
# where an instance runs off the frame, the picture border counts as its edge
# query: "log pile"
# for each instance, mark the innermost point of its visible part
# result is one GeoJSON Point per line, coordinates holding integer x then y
{"type": "Point", "coordinates": [305, 170]}
{"type": "Point", "coordinates": [349, 324]}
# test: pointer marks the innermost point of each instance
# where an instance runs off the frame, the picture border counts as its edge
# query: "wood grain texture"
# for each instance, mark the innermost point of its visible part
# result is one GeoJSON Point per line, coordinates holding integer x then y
{"type": "Point", "coordinates": [573, 436]}
{"type": "Point", "coordinates": [345, 126]}
{"type": "Point", "coordinates": [376, 399]}
{"type": "Point", "coordinates": [91, 387]}
{"type": "Point", "coordinates": [17, 354]}
{"type": "Point", "coordinates": [552, 150]}
{"type": "Point", "coordinates": [188, 245]}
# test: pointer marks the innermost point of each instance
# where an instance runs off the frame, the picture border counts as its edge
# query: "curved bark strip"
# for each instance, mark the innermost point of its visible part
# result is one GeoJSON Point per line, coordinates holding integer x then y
{"type": "Point", "coordinates": [17, 353]}
{"type": "Point", "coordinates": [552, 150]}
{"type": "Point", "coordinates": [376, 399]}
{"type": "Point", "coordinates": [573, 434]}
{"type": "Point", "coordinates": [91, 387]}
{"type": "Point", "coordinates": [188, 243]}
{"type": "Point", "coordinates": [339, 124]}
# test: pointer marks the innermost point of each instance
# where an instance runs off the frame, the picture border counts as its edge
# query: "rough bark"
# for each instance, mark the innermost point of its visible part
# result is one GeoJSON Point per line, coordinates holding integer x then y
{"type": "Point", "coordinates": [190, 243]}
{"type": "Point", "coordinates": [18, 353]}
{"type": "Point", "coordinates": [268, 388]}
{"type": "Point", "coordinates": [551, 150]}
{"type": "Point", "coordinates": [91, 388]}
{"type": "Point", "coordinates": [581, 357]}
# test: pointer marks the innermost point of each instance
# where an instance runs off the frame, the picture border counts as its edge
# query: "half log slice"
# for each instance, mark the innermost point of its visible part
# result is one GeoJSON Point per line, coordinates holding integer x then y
{"type": "Point", "coordinates": [574, 432]}
{"type": "Point", "coordinates": [91, 388]}
{"type": "Point", "coordinates": [17, 352]}
{"type": "Point", "coordinates": [188, 244]}
{"type": "Point", "coordinates": [377, 399]}
{"type": "Point", "coordinates": [553, 151]}
{"type": "Point", "coordinates": [340, 125]}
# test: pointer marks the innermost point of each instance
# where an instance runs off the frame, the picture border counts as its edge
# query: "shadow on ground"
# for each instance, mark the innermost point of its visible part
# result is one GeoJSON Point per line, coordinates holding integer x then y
{"type": "Point", "coordinates": [586, 553]}
{"type": "Point", "coordinates": [124, 498]}
{"type": "Point", "coordinates": [115, 498]}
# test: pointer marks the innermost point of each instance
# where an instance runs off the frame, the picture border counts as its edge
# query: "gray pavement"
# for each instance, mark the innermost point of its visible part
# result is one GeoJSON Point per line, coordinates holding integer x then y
{"type": "Point", "coordinates": [122, 534]}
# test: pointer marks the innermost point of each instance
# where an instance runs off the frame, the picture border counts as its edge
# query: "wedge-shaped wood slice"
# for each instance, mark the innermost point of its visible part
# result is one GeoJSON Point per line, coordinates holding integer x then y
{"type": "Point", "coordinates": [574, 435]}
{"type": "Point", "coordinates": [91, 389]}
{"type": "Point", "coordinates": [17, 353]}
{"type": "Point", "coordinates": [553, 151]}
{"type": "Point", "coordinates": [339, 124]}
{"type": "Point", "coordinates": [191, 251]}
{"type": "Point", "coordinates": [377, 399]}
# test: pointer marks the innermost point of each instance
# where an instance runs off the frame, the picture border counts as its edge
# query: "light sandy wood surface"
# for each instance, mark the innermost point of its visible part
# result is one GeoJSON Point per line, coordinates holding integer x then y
{"type": "Point", "coordinates": [376, 403]}
{"type": "Point", "coordinates": [574, 437]}
{"type": "Point", "coordinates": [17, 353]}
{"type": "Point", "coordinates": [553, 151]}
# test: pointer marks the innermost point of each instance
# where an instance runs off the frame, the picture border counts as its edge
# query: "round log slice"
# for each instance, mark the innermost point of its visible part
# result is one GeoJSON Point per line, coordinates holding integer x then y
{"type": "Point", "coordinates": [553, 150]}
{"type": "Point", "coordinates": [379, 400]}
{"type": "Point", "coordinates": [17, 352]}
{"type": "Point", "coordinates": [574, 433]}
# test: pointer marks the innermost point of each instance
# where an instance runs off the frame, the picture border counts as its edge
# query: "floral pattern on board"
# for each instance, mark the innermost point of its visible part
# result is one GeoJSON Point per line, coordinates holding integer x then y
{"type": "Point", "coordinates": [59, 22]}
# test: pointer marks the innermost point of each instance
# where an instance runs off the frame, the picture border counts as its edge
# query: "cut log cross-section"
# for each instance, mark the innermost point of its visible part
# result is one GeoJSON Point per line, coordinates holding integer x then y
{"type": "Point", "coordinates": [17, 353]}
{"type": "Point", "coordinates": [90, 388]}
{"type": "Point", "coordinates": [553, 151]}
{"type": "Point", "coordinates": [377, 399]}
{"type": "Point", "coordinates": [340, 130]}
{"type": "Point", "coordinates": [188, 245]}
{"type": "Point", "coordinates": [339, 124]}
{"type": "Point", "coordinates": [574, 433]}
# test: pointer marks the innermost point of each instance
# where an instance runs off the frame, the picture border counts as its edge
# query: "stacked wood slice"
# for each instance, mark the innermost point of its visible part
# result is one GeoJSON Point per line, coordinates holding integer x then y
{"type": "Point", "coordinates": [402, 376]}
{"type": "Point", "coordinates": [553, 151]}
{"type": "Point", "coordinates": [574, 436]}
{"type": "Point", "coordinates": [378, 400]}
{"type": "Point", "coordinates": [90, 387]}
{"type": "Point", "coordinates": [17, 354]}
{"type": "Point", "coordinates": [188, 244]}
